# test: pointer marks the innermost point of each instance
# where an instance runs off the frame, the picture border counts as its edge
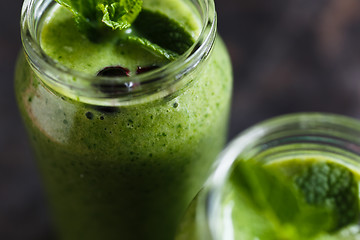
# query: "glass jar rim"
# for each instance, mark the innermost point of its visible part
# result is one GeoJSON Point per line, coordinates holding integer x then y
{"type": "Point", "coordinates": [241, 143]}
{"type": "Point", "coordinates": [158, 83]}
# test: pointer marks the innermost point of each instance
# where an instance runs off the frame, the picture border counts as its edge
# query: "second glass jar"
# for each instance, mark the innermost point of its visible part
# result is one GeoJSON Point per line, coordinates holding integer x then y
{"type": "Point", "coordinates": [290, 143]}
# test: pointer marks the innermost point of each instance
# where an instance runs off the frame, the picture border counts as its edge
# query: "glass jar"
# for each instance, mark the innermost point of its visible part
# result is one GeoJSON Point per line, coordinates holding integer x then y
{"type": "Point", "coordinates": [301, 136]}
{"type": "Point", "coordinates": [124, 162]}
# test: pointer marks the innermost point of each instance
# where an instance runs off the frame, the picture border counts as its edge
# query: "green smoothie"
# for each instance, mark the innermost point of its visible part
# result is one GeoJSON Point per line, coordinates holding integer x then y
{"type": "Point", "coordinates": [309, 197]}
{"type": "Point", "coordinates": [293, 177]}
{"type": "Point", "coordinates": [122, 172]}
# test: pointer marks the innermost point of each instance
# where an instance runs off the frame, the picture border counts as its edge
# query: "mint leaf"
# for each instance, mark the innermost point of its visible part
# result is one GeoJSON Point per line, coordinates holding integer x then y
{"type": "Point", "coordinates": [159, 34]}
{"type": "Point", "coordinates": [334, 187]}
{"type": "Point", "coordinates": [91, 15]}
{"type": "Point", "coordinates": [85, 15]}
{"type": "Point", "coordinates": [273, 197]}
{"type": "Point", "coordinates": [162, 31]}
{"type": "Point", "coordinates": [168, 54]}
{"type": "Point", "coordinates": [120, 15]}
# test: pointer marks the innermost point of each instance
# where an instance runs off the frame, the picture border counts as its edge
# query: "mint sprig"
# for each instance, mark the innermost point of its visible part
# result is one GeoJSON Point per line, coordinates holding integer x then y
{"type": "Point", "coordinates": [151, 30]}
{"type": "Point", "coordinates": [120, 15]}
{"type": "Point", "coordinates": [144, 42]}
{"type": "Point", "coordinates": [271, 196]}
{"type": "Point", "coordinates": [333, 186]}
{"type": "Point", "coordinates": [91, 15]}
{"type": "Point", "coordinates": [165, 32]}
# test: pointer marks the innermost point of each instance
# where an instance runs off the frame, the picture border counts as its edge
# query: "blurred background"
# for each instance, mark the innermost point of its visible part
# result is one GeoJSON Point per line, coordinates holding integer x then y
{"type": "Point", "coordinates": [288, 56]}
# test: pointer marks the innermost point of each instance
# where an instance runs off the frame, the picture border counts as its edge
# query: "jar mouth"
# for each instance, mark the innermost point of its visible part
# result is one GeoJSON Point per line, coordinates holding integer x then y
{"type": "Point", "coordinates": [339, 135]}
{"type": "Point", "coordinates": [151, 85]}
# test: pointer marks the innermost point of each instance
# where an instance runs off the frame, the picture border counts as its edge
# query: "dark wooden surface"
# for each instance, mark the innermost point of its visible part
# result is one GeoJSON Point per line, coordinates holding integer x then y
{"type": "Point", "coordinates": [288, 56]}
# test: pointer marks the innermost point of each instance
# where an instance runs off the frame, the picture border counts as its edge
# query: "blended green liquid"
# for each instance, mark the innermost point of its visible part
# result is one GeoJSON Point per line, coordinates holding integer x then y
{"type": "Point", "coordinates": [127, 172]}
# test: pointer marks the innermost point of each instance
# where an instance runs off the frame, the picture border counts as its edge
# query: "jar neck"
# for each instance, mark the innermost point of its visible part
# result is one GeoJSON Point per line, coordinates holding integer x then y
{"type": "Point", "coordinates": [121, 91]}
{"type": "Point", "coordinates": [332, 137]}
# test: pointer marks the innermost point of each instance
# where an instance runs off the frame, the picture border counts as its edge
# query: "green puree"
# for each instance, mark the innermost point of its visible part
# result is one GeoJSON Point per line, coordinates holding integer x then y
{"type": "Point", "coordinates": [127, 172]}
{"type": "Point", "coordinates": [329, 202]}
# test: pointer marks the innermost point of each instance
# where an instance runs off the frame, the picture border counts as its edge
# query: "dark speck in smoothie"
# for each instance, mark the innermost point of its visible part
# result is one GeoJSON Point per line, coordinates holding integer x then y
{"type": "Point", "coordinates": [114, 71]}
{"type": "Point", "coordinates": [89, 115]}
{"type": "Point", "coordinates": [175, 105]}
{"type": "Point", "coordinates": [101, 118]}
